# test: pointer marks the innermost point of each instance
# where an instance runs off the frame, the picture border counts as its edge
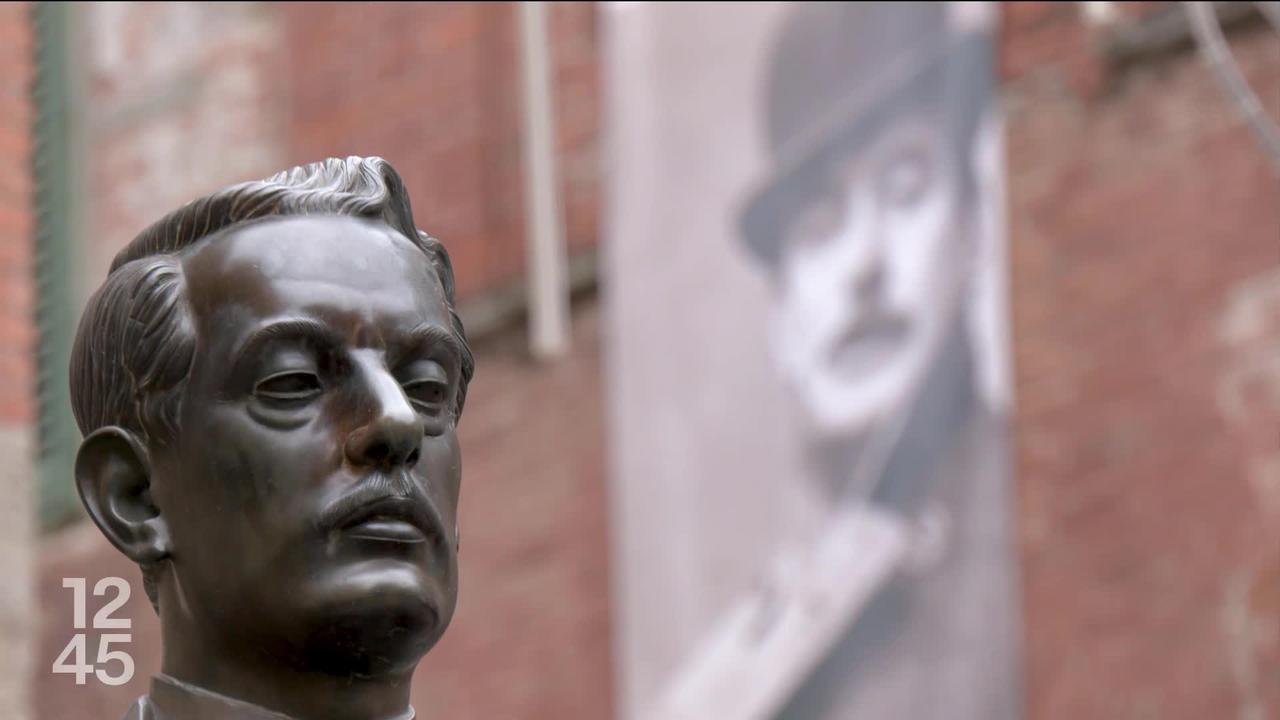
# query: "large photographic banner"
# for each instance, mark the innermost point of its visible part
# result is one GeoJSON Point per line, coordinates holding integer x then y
{"type": "Point", "coordinates": [808, 364]}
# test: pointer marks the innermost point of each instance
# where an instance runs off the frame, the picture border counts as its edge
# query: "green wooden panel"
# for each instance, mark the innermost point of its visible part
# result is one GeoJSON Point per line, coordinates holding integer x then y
{"type": "Point", "coordinates": [57, 435]}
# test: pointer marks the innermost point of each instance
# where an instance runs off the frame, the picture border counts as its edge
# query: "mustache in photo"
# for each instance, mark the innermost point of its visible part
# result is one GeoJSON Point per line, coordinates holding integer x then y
{"type": "Point", "coordinates": [874, 320]}
{"type": "Point", "coordinates": [877, 320]}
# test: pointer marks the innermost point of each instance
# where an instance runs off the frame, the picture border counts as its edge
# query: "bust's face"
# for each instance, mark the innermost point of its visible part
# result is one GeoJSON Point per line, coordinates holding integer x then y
{"type": "Point", "coordinates": [311, 493]}
{"type": "Point", "coordinates": [871, 268]}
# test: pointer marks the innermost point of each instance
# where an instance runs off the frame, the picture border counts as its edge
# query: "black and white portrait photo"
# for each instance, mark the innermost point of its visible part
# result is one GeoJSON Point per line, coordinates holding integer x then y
{"type": "Point", "coordinates": [845, 422]}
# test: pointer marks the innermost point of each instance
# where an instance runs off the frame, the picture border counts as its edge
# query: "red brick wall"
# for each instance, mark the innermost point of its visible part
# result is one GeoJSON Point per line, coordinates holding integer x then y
{"type": "Point", "coordinates": [434, 88]}
{"type": "Point", "coordinates": [17, 333]}
{"type": "Point", "coordinates": [1145, 231]}
{"type": "Point", "coordinates": [17, 368]}
{"type": "Point", "coordinates": [183, 99]}
{"type": "Point", "coordinates": [179, 99]}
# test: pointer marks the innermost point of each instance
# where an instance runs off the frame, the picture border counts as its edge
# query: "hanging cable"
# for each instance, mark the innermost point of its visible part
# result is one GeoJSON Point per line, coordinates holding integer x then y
{"type": "Point", "coordinates": [1216, 52]}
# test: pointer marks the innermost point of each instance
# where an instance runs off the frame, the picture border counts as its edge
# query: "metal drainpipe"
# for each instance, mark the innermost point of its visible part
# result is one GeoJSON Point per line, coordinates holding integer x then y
{"type": "Point", "coordinates": [547, 265]}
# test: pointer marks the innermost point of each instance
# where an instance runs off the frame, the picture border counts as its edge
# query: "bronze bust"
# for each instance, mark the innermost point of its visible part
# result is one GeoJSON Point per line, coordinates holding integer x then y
{"type": "Point", "coordinates": [269, 382]}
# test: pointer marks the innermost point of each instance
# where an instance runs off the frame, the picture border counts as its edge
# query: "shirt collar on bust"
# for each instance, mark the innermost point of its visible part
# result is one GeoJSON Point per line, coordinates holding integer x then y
{"type": "Point", "coordinates": [172, 699]}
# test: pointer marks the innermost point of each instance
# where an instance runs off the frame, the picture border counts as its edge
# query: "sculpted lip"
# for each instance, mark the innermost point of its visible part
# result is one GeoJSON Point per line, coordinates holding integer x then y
{"type": "Point", "coordinates": [391, 519]}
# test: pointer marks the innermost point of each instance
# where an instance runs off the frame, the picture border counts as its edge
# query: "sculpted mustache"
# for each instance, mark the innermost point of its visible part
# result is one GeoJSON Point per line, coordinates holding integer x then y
{"type": "Point", "coordinates": [381, 487]}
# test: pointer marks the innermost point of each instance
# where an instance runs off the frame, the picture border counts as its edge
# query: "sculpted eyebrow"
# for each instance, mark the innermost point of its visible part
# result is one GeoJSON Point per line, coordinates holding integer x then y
{"type": "Point", "coordinates": [430, 335]}
{"type": "Point", "coordinates": [293, 329]}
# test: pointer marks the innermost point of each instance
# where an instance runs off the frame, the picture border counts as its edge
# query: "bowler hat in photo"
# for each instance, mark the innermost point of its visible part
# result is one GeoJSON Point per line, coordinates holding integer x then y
{"type": "Point", "coordinates": [840, 71]}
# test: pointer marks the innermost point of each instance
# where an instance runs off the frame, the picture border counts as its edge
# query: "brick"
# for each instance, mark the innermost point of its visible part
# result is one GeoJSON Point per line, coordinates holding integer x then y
{"type": "Point", "coordinates": [1133, 217]}
{"type": "Point", "coordinates": [463, 121]}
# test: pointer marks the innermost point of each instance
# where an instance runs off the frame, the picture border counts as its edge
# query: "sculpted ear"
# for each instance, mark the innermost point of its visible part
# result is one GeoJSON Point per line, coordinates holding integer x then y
{"type": "Point", "coordinates": [113, 477]}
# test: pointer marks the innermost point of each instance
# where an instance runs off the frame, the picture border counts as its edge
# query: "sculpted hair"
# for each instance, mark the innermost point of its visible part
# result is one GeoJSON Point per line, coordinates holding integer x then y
{"type": "Point", "coordinates": [136, 340]}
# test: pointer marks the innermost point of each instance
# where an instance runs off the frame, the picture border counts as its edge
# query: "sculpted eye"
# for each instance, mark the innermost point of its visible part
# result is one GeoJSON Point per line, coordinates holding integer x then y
{"type": "Point", "coordinates": [290, 386]}
{"type": "Point", "coordinates": [427, 395]}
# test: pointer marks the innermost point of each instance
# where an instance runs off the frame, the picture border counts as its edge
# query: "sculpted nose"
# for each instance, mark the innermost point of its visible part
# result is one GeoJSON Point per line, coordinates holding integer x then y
{"type": "Point", "coordinates": [392, 436]}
